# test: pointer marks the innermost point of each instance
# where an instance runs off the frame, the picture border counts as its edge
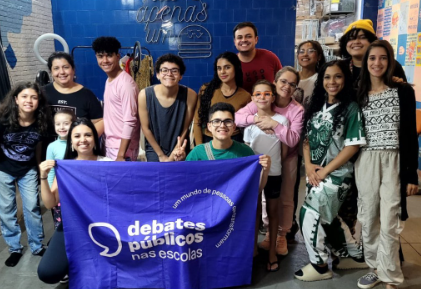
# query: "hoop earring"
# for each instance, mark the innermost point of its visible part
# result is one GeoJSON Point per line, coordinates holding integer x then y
{"type": "Point", "coordinates": [73, 149]}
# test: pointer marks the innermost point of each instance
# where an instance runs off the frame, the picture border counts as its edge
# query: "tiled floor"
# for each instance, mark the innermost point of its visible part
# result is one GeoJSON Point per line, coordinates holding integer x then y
{"type": "Point", "coordinates": [23, 276]}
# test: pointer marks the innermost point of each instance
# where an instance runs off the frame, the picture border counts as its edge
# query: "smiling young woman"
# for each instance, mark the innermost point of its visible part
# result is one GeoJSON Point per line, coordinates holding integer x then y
{"type": "Point", "coordinates": [226, 86]}
{"type": "Point", "coordinates": [333, 135]}
{"type": "Point", "coordinates": [386, 170]}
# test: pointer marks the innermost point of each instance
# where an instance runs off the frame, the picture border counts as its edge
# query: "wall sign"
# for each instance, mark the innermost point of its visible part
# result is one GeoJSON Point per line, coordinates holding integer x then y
{"type": "Point", "coordinates": [162, 20]}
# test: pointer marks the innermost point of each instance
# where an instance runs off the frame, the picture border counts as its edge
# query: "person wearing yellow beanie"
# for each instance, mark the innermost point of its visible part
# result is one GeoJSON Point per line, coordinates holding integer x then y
{"type": "Point", "coordinates": [354, 43]}
{"type": "Point", "coordinates": [365, 24]}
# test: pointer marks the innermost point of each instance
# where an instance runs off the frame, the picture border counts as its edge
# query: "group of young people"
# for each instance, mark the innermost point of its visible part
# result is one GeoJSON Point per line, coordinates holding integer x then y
{"type": "Point", "coordinates": [352, 120]}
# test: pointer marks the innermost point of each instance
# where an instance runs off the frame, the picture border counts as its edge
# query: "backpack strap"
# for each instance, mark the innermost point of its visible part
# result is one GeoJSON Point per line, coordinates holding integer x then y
{"type": "Point", "coordinates": [209, 153]}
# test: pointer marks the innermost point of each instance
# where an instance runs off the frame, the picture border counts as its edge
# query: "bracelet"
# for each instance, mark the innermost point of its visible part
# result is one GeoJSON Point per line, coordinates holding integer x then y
{"type": "Point", "coordinates": [43, 178]}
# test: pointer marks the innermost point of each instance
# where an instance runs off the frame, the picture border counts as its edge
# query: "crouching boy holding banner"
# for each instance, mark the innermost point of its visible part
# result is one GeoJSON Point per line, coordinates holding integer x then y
{"type": "Point", "coordinates": [221, 124]}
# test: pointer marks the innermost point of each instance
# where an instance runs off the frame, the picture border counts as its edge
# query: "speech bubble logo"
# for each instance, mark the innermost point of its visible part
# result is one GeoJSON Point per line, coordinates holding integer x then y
{"type": "Point", "coordinates": [106, 249]}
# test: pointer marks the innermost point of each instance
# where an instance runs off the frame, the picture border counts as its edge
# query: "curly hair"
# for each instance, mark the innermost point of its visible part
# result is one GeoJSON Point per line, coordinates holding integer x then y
{"type": "Point", "coordinates": [365, 82]}
{"type": "Point", "coordinates": [69, 154]}
{"type": "Point", "coordinates": [60, 55]}
{"type": "Point", "coordinates": [318, 98]}
{"type": "Point", "coordinates": [9, 111]}
{"type": "Point", "coordinates": [316, 46]}
{"type": "Point", "coordinates": [210, 87]}
{"type": "Point", "coordinates": [171, 58]}
{"type": "Point", "coordinates": [351, 35]}
{"type": "Point", "coordinates": [107, 44]}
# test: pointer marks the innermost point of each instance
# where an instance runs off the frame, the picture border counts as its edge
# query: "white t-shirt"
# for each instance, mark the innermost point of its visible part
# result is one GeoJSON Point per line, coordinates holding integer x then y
{"type": "Point", "coordinates": [103, 159]}
{"type": "Point", "coordinates": [307, 85]}
{"type": "Point", "coordinates": [268, 144]}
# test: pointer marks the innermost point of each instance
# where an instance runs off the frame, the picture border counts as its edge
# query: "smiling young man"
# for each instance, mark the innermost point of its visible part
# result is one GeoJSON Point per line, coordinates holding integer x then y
{"type": "Point", "coordinates": [256, 63]}
{"type": "Point", "coordinates": [121, 123]}
{"type": "Point", "coordinates": [221, 124]}
{"type": "Point", "coordinates": [166, 110]}
{"type": "Point", "coordinates": [222, 147]}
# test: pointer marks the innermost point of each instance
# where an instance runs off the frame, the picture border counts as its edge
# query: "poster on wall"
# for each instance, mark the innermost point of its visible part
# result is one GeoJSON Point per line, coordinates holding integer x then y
{"type": "Point", "coordinates": [411, 43]}
{"type": "Point", "coordinates": [401, 49]}
{"type": "Point", "coordinates": [395, 20]}
{"type": "Point", "coordinates": [387, 20]}
{"type": "Point", "coordinates": [413, 16]}
{"type": "Point", "coordinates": [403, 18]}
{"type": "Point", "coordinates": [417, 84]}
{"type": "Point", "coordinates": [394, 42]}
{"type": "Point", "coordinates": [418, 51]}
{"type": "Point", "coordinates": [380, 19]}
{"type": "Point", "coordinates": [419, 16]}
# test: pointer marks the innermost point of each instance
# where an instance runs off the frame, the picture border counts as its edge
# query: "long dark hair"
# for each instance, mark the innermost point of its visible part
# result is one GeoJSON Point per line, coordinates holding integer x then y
{"type": "Point", "coordinates": [318, 98]}
{"type": "Point", "coordinates": [316, 46]}
{"type": "Point", "coordinates": [365, 81]}
{"type": "Point", "coordinates": [69, 154]}
{"type": "Point", "coordinates": [9, 111]}
{"type": "Point", "coordinates": [207, 94]}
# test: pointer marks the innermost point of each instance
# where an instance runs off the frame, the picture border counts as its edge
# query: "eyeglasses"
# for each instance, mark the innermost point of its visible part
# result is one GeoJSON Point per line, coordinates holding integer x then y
{"type": "Point", "coordinates": [293, 85]}
{"type": "Point", "coordinates": [263, 94]}
{"type": "Point", "coordinates": [174, 71]}
{"type": "Point", "coordinates": [309, 51]}
{"type": "Point", "coordinates": [217, 122]}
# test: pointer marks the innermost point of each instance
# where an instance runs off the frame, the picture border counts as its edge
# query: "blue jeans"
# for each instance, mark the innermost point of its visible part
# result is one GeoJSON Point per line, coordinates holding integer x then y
{"type": "Point", "coordinates": [28, 187]}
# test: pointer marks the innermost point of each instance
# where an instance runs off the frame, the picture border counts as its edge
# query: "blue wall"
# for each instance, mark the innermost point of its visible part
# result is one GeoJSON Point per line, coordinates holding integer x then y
{"type": "Point", "coordinates": [79, 22]}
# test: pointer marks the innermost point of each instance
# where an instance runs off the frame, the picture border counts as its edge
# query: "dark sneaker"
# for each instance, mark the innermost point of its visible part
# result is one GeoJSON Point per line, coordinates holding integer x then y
{"type": "Point", "coordinates": [65, 280]}
{"type": "Point", "coordinates": [262, 229]}
{"type": "Point", "coordinates": [369, 280]}
{"type": "Point", "coordinates": [349, 263]}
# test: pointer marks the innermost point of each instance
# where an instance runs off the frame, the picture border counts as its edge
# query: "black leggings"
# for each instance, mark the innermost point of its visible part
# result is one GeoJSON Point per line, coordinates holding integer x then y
{"type": "Point", "coordinates": [54, 264]}
{"type": "Point", "coordinates": [297, 187]}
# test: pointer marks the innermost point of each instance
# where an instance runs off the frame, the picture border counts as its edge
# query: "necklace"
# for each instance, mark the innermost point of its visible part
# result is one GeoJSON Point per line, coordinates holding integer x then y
{"type": "Point", "coordinates": [228, 96]}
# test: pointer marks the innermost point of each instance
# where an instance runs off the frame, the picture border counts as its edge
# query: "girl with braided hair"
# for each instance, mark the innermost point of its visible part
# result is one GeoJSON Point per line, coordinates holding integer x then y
{"type": "Point", "coordinates": [226, 86]}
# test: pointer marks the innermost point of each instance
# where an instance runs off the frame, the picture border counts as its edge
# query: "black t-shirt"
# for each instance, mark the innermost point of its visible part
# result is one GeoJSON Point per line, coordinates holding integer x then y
{"type": "Point", "coordinates": [83, 103]}
{"type": "Point", "coordinates": [17, 149]}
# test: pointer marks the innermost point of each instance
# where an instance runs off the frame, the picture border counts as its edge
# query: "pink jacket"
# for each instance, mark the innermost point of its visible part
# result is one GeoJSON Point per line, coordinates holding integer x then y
{"type": "Point", "coordinates": [294, 112]}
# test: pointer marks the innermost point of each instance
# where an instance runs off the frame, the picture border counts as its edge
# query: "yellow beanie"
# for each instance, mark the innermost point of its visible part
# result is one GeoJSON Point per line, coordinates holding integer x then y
{"type": "Point", "coordinates": [365, 24]}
